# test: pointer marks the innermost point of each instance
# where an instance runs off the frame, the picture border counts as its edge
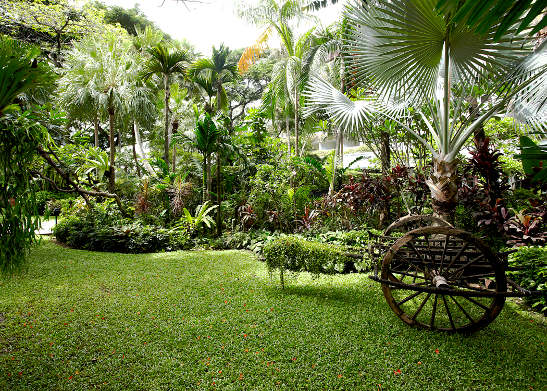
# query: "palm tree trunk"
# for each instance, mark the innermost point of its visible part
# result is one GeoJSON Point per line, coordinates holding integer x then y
{"type": "Point", "coordinates": [342, 149]}
{"type": "Point", "coordinates": [335, 158]}
{"type": "Point", "coordinates": [166, 117]}
{"type": "Point", "coordinates": [385, 160]}
{"type": "Point", "coordinates": [204, 184]}
{"type": "Point", "coordinates": [209, 178]}
{"type": "Point", "coordinates": [219, 202]}
{"type": "Point", "coordinates": [140, 150]}
{"type": "Point", "coordinates": [296, 135]}
{"type": "Point", "coordinates": [96, 123]}
{"type": "Point", "coordinates": [288, 136]}
{"type": "Point", "coordinates": [135, 154]}
{"type": "Point", "coordinates": [112, 178]}
{"type": "Point", "coordinates": [444, 188]}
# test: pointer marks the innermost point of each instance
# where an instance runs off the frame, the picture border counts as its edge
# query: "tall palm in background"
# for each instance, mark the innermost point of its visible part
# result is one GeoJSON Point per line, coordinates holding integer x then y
{"type": "Point", "coordinates": [411, 55]}
{"type": "Point", "coordinates": [290, 74]}
{"type": "Point", "coordinates": [212, 73]}
{"type": "Point", "coordinates": [204, 138]}
{"type": "Point", "coordinates": [103, 71]}
{"type": "Point", "coordinates": [166, 62]}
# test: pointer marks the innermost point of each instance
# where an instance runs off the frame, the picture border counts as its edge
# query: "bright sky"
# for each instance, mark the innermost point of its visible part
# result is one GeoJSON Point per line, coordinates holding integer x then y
{"type": "Point", "coordinates": [208, 23]}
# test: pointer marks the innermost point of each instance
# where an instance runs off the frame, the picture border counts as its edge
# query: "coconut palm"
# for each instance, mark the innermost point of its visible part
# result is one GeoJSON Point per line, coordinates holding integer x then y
{"type": "Point", "coordinates": [411, 55]}
{"type": "Point", "coordinates": [165, 63]}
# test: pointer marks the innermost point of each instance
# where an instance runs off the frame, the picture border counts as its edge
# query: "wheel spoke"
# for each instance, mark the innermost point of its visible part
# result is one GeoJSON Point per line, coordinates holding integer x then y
{"type": "Point", "coordinates": [448, 312]}
{"type": "Point", "coordinates": [419, 255]}
{"type": "Point", "coordinates": [432, 321]}
{"type": "Point", "coordinates": [421, 306]}
{"type": "Point", "coordinates": [409, 297]}
{"type": "Point", "coordinates": [466, 265]}
{"type": "Point", "coordinates": [464, 247]}
{"type": "Point", "coordinates": [476, 303]}
{"type": "Point", "coordinates": [431, 254]}
{"type": "Point", "coordinates": [447, 237]}
{"type": "Point", "coordinates": [462, 309]}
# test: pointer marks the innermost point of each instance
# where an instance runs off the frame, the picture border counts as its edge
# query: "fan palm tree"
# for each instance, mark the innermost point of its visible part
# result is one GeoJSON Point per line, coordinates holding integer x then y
{"type": "Point", "coordinates": [412, 55]}
{"type": "Point", "coordinates": [165, 63]}
{"type": "Point", "coordinates": [103, 72]}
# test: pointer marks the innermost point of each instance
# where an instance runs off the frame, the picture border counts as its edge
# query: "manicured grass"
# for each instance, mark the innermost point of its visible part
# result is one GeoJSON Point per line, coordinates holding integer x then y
{"type": "Point", "coordinates": [80, 320]}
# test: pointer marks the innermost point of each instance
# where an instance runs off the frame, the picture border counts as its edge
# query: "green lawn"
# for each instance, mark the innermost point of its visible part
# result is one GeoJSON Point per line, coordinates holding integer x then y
{"type": "Point", "coordinates": [80, 320]}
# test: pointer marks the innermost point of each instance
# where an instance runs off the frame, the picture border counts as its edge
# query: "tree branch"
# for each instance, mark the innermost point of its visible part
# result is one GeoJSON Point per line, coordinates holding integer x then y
{"type": "Point", "coordinates": [84, 193]}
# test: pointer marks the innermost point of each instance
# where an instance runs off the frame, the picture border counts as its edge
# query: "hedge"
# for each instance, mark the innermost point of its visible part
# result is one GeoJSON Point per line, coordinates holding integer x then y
{"type": "Point", "coordinates": [298, 255]}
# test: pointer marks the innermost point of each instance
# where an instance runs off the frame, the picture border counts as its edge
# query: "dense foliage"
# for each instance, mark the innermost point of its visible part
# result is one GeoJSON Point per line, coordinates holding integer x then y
{"type": "Point", "coordinates": [530, 272]}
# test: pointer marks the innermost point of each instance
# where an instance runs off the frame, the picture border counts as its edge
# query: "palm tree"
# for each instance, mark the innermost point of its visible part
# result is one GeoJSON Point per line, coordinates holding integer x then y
{"type": "Point", "coordinates": [103, 71]}
{"type": "Point", "coordinates": [166, 62]}
{"type": "Point", "coordinates": [204, 139]}
{"type": "Point", "coordinates": [411, 55]}
{"type": "Point", "coordinates": [289, 76]}
{"type": "Point", "coordinates": [212, 73]}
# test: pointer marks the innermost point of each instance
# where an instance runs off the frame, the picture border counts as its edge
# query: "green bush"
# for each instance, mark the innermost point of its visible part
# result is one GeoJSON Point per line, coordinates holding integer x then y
{"type": "Point", "coordinates": [297, 255]}
{"type": "Point", "coordinates": [89, 232]}
{"type": "Point", "coordinates": [532, 273]}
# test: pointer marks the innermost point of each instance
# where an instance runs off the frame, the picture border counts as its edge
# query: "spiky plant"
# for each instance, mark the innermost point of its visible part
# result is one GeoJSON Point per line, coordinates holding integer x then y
{"type": "Point", "coordinates": [408, 54]}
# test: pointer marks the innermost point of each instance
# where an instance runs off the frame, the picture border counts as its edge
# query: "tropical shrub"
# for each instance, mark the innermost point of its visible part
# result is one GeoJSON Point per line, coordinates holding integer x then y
{"type": "Point", "coordinates": [527, 228]}
{"type": "Point", "coordinates": [531, 263]}
{"type": "Point", "coordinates": [87, 233]}
{"type": "Point", "coordinates": [191, 224]}
{"type": "Point", "coordinates": [279, 194]}
{"type": "Point", "coordinates": [291, 253]}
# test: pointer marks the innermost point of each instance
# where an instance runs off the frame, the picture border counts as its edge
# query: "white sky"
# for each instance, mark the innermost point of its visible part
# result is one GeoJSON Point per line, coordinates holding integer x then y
{"type": "Point", "coordinates": [209, 23]}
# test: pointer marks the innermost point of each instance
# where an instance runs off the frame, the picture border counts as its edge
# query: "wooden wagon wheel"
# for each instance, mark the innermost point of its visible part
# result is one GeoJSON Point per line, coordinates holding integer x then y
{"type": "Point", "coordinates": [429, 261]}
{"type": "Point", "coordinates": [410, 222]}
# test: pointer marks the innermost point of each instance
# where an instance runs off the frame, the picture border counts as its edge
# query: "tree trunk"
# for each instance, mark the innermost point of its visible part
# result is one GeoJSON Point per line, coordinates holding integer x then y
{"type": "Point", "coordinates": [385, 159]}
{"type": "Point", "coordinates": [140, 150]}
{"type": "Point", "coordinates": [135, 153]}
{"type": "Point", "coordinates": [444, 188]}
{"type": "Point", "coordinates": [112, 178]}
{"type": "Point", "coordinates": [96, 123]}
{"type": "Point", "coordinates": [166, 134]}
{"type": "Point", "coordinates": [288, 135]}
{"type": "Point", "coordinates": [219, 202]}
{"type": "Point", "coordinates": [342, 149]}
{"type": "Point", "coordinates": [204, 184]}
{"type": "Point", "coordinates": [174, 157]}
{"type": "Point", "coordinates": [385, 153]}
{"type": "Point", "coordinates": [335, 158]}
{"type": "Point", "coordinates": [209, 178]}
{"type": "Point", "coordinates": [479, 135]}
{"type": "Point", "coordinates": [296, 135]}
